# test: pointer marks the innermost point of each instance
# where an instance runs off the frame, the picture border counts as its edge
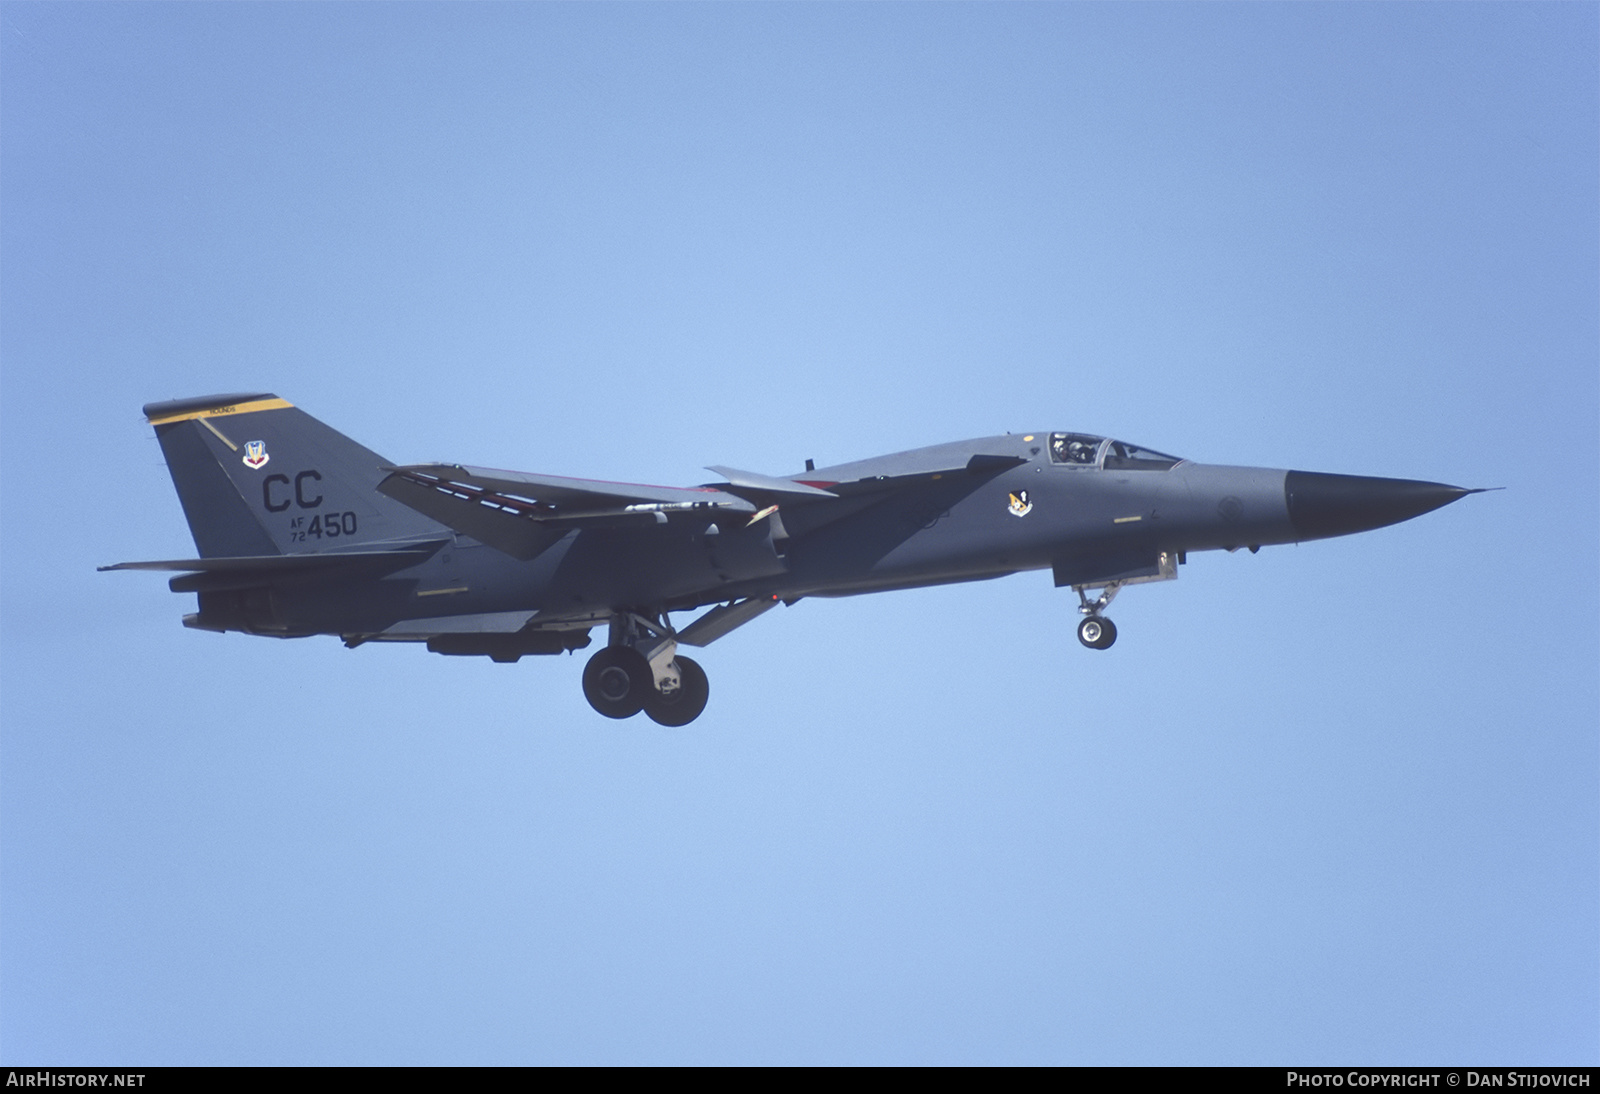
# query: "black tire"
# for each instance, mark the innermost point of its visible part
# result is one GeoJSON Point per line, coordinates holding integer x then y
{"type": "Point", "coordinates": [684, 705]}
{"type": "Point", "coordinates": [1108, 634]}
{"type": "Point", "coordinates": [1097, 632]}
{"type": "Point", "coordinates": [616, 681]}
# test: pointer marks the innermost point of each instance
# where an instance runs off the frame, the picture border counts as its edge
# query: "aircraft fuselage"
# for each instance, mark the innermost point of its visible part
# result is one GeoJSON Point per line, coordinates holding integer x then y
{"type": "Point", "coordinates": [301, 531]}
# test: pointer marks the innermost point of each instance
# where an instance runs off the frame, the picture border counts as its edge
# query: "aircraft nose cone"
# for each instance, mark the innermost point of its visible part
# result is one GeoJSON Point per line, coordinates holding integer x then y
{"type": "Point", "coordinates": [1336, 505]}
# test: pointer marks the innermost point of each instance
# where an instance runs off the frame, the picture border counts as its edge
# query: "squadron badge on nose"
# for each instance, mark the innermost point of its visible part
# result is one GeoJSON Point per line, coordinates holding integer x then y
{"type": "Point", "coordinates": [255, 454]}
{"type": "Point", "coordinates": [1020, 505]}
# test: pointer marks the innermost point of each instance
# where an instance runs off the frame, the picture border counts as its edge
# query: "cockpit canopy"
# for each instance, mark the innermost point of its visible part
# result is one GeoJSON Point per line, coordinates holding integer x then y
{"type": "Point", "coordinates": [1085, 450]}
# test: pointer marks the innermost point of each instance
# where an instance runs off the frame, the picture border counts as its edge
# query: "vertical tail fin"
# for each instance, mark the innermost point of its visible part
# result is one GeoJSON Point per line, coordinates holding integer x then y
{"type": "Point", "coordinates": [258, 476]}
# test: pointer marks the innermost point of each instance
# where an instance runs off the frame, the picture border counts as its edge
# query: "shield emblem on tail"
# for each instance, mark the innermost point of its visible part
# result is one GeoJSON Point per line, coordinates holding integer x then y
{"type": "Point", "coordinates": [255, 454]}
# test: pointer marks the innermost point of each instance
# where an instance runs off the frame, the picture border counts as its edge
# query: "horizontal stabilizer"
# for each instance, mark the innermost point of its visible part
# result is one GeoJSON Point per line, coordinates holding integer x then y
{"type": "Point", "coordinates": [283, 563]}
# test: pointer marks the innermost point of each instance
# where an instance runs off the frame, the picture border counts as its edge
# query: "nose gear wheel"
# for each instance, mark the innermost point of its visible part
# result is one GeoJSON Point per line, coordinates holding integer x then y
{"type": "Point", "coordinates": [1097, 632]}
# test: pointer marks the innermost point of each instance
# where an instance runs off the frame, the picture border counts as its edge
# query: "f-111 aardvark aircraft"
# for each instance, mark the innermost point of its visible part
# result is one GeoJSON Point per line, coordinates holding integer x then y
{"type": "Point", "coordinates": [302, 531]}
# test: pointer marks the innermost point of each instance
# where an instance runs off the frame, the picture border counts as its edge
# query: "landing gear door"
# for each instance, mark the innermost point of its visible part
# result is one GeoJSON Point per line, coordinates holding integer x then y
{"type": "Point", "coordinates": [1101, 571]}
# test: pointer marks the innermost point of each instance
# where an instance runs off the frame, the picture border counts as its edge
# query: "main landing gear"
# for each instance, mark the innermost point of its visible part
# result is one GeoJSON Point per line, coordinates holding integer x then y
{"type": "Point", "coordinates": [1096, 631]}
{"type": "Point", "coordinates": [641, 669]}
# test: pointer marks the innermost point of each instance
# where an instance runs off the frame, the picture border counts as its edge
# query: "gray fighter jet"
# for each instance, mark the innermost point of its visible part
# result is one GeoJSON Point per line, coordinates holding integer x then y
{"type": "Point", "coordinates": [302, 531]}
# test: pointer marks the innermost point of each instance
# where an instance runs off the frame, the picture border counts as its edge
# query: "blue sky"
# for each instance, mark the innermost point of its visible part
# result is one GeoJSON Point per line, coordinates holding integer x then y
{"type": "Point", "coordinates": [1334, 803]}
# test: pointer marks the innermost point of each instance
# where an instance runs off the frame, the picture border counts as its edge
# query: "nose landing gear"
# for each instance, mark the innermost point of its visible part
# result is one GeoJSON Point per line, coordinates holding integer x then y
{"type": "Point", "coordinates": [640, 670]}
{"type": "Point", "coordinates": [1096, 631]}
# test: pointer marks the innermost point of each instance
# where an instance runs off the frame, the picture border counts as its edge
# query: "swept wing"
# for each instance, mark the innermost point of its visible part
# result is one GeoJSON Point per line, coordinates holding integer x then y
{"type": "Point", "coordinates": [524, 514]}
